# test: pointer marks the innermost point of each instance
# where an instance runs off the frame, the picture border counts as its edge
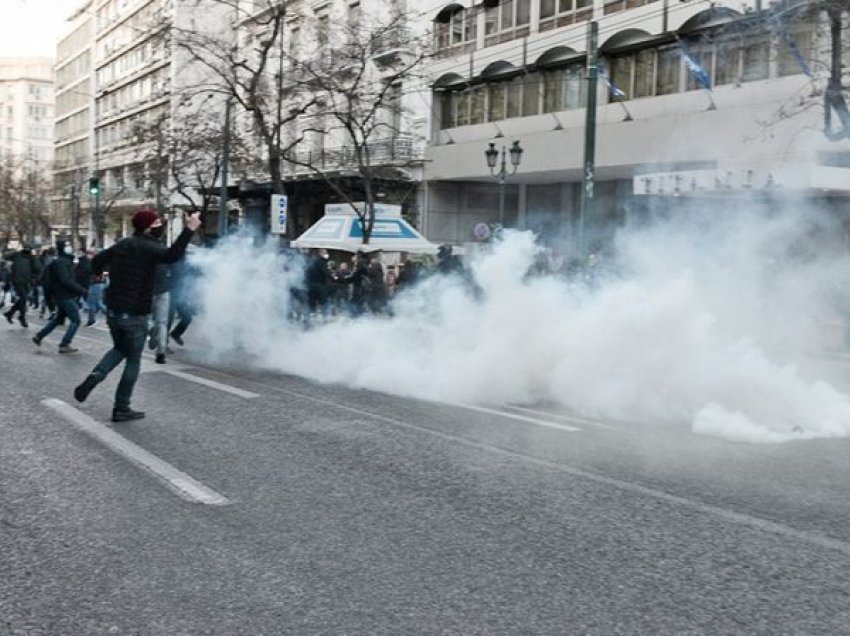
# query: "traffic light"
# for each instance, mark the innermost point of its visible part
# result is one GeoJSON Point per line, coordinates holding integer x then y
{"type": "Point", "coordinates": [94, 186]}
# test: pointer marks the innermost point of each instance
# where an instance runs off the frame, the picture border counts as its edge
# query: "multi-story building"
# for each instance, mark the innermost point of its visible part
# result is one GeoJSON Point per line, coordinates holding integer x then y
{"type": "Point", "coordinates": [73, 143]}
{"type": "Point", "coordinates": [515, 70]}
{"type": "Point", "coordinates": [329, 47]}
{"type": "Point", "coordinates": [26, 110]}
{"type": "Point", "coordinates": [121, 80]}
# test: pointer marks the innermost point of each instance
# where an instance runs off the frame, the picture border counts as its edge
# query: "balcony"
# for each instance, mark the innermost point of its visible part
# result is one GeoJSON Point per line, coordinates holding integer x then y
{"type": "Point", "coordinates": [385, 153]}
{"type": "Point", "coordinates": [391, 46]}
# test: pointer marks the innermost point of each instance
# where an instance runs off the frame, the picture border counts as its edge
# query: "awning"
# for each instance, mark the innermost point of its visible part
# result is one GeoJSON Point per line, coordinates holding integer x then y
{"type": "Point", "coordinates": [344, 232]}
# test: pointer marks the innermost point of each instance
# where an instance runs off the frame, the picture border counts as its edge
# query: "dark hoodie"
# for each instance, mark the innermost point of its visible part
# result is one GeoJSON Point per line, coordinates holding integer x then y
{"type": "Point", "coordinates": [63, 284]}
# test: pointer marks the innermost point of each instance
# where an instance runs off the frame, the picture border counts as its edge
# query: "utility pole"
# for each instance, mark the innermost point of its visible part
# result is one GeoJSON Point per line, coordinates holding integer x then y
{"type": "Point", "coordinates": [833, 98]}
{"type": "Point", "coordinates": [586, 210]}
{"type": "Point", "coordinates": [75, 216]}
{"type": "Point", "coordinates": [225, 160]}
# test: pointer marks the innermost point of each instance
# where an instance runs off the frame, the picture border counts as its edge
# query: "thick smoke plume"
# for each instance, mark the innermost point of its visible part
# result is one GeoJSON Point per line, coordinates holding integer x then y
{"type": "Point", "coordinates": [701, 322]}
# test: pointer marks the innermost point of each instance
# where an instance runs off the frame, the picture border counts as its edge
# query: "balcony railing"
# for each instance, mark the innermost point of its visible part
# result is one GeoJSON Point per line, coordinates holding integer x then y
{"type": "Point", "coordinates": [398, 151]}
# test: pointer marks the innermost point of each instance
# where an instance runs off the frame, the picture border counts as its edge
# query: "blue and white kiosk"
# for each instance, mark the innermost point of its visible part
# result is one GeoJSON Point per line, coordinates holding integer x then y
{"type": "Point", "coordinates": [340, 229]}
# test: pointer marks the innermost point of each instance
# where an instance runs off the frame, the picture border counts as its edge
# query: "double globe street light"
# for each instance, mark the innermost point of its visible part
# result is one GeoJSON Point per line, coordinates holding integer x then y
{"type": "Point", "coordinates": [492, 154]}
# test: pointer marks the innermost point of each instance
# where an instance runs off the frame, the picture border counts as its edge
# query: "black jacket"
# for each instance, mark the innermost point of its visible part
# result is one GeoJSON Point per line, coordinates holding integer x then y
{"type": "Point", "coordinates": [82, 271]}
{"type": "Point", "coordinates": [63, 285]}
{"type": "Point", "coordinates": [132, 266]}
{"type": "Point", "coordinates": [25, 268]}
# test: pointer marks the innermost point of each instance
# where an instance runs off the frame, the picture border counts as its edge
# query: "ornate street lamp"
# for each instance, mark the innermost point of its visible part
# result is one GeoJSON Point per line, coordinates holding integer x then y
{"type": "Point", "coordinates": [492, 156]}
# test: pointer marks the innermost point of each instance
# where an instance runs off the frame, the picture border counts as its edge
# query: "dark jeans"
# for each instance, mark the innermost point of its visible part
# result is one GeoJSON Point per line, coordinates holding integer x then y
{"type": "Point", "coordinates": [128, 341]}
{"type": "Point", "coordinates": [64, 309]}
{"type": "Point", "coordinates": [184, 315]}
{"type": "Point", "coordinates": [20, 304]}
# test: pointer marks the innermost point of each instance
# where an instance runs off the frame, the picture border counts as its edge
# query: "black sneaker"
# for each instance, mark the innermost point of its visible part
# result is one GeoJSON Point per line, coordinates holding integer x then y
{"type": "Point", "coordinates": [90, 323]}
{"type": "Point", "coordinates": [23, 321]}
{"type": "Point", "coordinates": [82, 391]}
{"type": "Point", "coordinates": [177, 339]}
{"type": "Point", "coordinates": [8, 316]}
{"type": "Point", "coordinates": [126, 415]}
{"type": "Point", "coordinates": [36, 340]}
{"type": "Point", "coordinates": [160, 358]}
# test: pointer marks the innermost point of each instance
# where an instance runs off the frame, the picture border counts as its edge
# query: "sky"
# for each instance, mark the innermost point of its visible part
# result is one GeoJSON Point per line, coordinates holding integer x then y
{"type": "Point", "coordinates": [33, 27]}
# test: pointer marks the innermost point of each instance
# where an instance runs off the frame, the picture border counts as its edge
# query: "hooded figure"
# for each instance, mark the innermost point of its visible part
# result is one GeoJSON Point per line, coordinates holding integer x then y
{"type": "Point", "coordinates": [59, 282]}
{"type": "Point", "coordinates": [25, 270]}
{"type": "Point", "coordinates": [132, 263]}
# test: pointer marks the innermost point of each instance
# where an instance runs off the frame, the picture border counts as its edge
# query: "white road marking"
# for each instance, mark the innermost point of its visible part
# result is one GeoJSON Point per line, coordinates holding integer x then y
{"type": "Point", "coordinates": [148, 366]}
{"type": "Point", "coordinates": [210, 383]}
{"type": "Point", "coordinates": [561, 416]}
{"type": "Point", "coordinates": [521, 418]}
{"type": "Point", "coordinates": [182, 484]}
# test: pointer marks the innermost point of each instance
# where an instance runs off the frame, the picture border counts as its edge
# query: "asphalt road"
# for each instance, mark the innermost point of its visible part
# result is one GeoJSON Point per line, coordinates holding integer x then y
{"type": "Point", "coordinates": [351, 512]}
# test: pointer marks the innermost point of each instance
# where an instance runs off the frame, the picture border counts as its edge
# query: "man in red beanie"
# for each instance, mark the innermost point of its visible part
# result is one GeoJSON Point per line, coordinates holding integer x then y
{"type": "Point", "coordinates": [132, 263]}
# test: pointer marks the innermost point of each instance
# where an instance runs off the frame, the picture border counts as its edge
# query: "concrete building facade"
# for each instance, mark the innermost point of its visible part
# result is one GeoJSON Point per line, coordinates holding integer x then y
{"type": "Point", "coordinates": [515, 70]}
{"type": "Point", "coordinates": [26, 110]}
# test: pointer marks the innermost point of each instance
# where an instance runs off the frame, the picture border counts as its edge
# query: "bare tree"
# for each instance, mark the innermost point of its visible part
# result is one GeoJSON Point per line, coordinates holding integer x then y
{"type": "Point", "coordinates": [24, 200]}
{"type": "Point", "coordinates": [246, 65]}
{"type": "Point", "coordinates": [184, 154]}
{"type": "Point", "coordinates": [359, 127]}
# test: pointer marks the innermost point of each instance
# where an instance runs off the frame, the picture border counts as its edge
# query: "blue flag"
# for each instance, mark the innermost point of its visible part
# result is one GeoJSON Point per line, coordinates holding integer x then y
{"type": "Point", "coordinates": [613, 89]}
{"type": "Point", "coordinates": [795, 52]}
{"type": "Point", "coordinates": [695, 69]}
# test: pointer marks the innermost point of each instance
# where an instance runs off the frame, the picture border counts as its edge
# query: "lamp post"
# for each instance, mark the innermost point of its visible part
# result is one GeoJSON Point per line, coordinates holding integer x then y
{"type": "Point", "coordinates": [492, 155]}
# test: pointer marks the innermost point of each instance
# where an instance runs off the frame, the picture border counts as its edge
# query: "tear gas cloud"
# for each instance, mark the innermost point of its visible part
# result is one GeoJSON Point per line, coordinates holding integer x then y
{"type": "Point", "coordinates": [700, 322]}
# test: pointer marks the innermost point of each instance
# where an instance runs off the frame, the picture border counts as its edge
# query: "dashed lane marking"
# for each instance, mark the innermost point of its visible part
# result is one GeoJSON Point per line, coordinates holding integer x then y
{"type": "Point", "coordinates": [562, 416]}
{"type": "Point", "coordinates": [210, 383]}
{"type": "Point", "coordinates": [176, 480]}
{"type": "Point", "coordinates": [521, 418]}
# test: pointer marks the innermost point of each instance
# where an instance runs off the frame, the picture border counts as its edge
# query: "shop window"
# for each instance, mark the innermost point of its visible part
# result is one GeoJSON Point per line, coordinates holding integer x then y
{"type": "Point", "coordinates": [531, 95]}
{"type": "Point", "coordinates": [803, 38]}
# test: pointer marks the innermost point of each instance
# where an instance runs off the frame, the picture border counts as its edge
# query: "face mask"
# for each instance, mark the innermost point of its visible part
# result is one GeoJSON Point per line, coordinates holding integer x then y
{"type": "Point", "coordinates": [156, 232]}
{"type": "Point", "coordinates": [68, 250]}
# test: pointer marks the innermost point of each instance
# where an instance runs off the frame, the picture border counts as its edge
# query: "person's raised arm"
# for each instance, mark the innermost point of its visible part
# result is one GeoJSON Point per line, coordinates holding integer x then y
{"type": "Point", "coordinates": [191, 222]}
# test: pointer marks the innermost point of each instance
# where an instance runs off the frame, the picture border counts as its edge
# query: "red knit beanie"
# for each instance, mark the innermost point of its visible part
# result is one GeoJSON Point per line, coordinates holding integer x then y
{"type": "Point", "coordinates": [143, 219]}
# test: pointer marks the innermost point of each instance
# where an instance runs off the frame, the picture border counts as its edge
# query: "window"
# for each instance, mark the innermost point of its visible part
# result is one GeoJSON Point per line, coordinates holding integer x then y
{"type": "Point", "coordinates": [667, 71]}
{"type": "Point", "coordinates": [557, 13]}
{"type": "Point", "coordinates": [621, 74]}
{"type": "Point", "coordinates": [531, 95]}
{"type": "Point", "coordinates": [477, 105]}
{"type": "Point", "coordinates": [496, 101]}
{"type": "Point", "coordinates": [802, 44]}
{"type": "Point", "coordinates": [507, 19]}
{"type": "Point", "coordinates": [514, 98]}
{"type": "Point", "coordinates": [756, 60]}
{"type": "Point", "coordinates": [727, 62]}
{"type": "Point", "coordinates": [574, 87]}
{"type": "Point", "coordinates": [553, 91]}
{"type": "Point", "coordinates": [705, 58]}
{"type": "Point", "coordinates": [644, 71]}
{"type": "Point", "coordinates": [453, 29]}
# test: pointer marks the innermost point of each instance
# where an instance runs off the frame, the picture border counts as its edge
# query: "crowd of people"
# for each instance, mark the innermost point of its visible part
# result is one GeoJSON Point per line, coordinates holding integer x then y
{"type": "Point", "coordinates": [136, 284]}
{"type": "Point", "coordinates": [359, 285]}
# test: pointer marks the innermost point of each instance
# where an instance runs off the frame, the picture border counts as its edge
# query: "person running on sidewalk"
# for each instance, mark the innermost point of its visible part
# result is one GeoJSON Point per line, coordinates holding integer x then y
{"type": "Point", "coordinates": [25, 270]}
{"type": "Point", "coordinates": [59, 282]}
{"type": "Point", "coordinates": [132, 264]}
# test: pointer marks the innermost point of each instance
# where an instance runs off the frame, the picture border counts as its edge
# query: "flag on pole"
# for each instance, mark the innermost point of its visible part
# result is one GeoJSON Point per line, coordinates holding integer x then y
{"type": "Point", "coordinates": [613, 89]}
{"type": "Point", "coordinates": [695, 69]}
{"type": "Point", "coordinates": [792, 46]}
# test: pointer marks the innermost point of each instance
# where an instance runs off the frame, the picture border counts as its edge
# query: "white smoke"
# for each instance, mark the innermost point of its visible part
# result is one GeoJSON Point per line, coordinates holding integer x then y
{"type": "Point", "coordinates": [699, 323]}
